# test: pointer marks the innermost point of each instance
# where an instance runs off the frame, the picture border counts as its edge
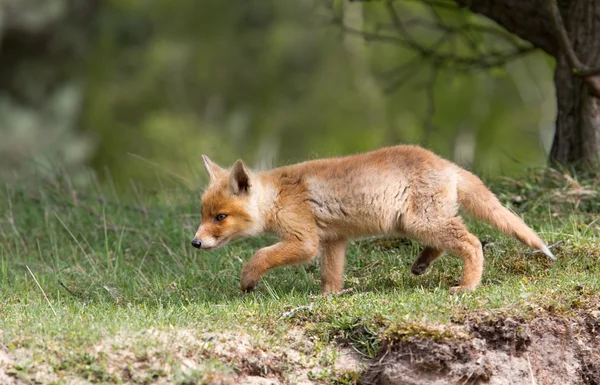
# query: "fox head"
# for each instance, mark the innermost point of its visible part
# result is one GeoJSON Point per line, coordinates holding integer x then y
{"type": "Point", "coordinates": [229, 205]}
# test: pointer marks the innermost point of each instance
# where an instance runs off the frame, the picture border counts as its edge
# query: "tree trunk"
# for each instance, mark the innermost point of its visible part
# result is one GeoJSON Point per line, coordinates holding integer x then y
{"type": "Point", "coordinates": [577, 135]}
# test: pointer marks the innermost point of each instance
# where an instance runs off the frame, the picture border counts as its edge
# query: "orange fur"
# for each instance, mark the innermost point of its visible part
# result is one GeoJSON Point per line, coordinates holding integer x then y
{"type": "Point", "coordinates": [320, 204]}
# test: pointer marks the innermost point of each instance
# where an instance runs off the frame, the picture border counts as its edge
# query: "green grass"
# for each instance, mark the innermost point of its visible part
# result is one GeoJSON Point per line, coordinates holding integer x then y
{"type": "Point", "coordinates": [125, 284]}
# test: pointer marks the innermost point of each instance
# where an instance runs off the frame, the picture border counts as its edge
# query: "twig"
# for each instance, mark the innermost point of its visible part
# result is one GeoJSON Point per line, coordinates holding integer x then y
{"type": "Point", "coordinates": [468, 378]}
{"type": "Point", "coordinates": [67, 289]}
{"type": "Point", "coordinates": [541, 371]}
{"type": "Point", "coordinates": [385, 354]}
{"type": "Point", "coordinates": [563, 37]}
{"type": "Point", "coordinates": [344, 291]}
{"type": "Point", "coordinates": [439, 4]}
{"type": "Point", "coordinates": [530, 370]}
{"type": "Point", "coordinates": [464, 28]}
{"type": "Point", "coordinates": [402, 74]}
{"type": "Point", "coordinates": [549, 246]}
{"type": "Point", "coordinates": [578, 68]}
{"type": "Point", "coordinates": [42, 290]}
{"type": "Point", "coordinates": [293, 311]}
{"type": "Point", "coordinates": [456, 62]}
{"type": "Point", "coordinates": [434, 53]}
{"type": "Point", "coordinates": [359, 352]}
{"type": "Point", "coordinates": [113, 293]}
{"type": "Point", "coordinates": [394, 16]}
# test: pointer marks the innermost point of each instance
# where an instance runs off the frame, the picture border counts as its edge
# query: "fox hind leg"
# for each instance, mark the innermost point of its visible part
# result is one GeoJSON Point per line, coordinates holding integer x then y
{"type": "Point", "coordinates": [425, 259]}
{"type": "Point", "coordinates": [452, 235]}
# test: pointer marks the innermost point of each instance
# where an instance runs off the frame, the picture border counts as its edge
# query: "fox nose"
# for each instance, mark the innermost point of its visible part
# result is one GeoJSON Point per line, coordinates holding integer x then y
{"type": "Point", "coordinates": [196, 243]}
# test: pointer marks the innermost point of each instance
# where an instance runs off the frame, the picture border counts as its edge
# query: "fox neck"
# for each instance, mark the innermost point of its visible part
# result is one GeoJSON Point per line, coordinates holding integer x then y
{"type": "Point", "coordinates": [261, 203]}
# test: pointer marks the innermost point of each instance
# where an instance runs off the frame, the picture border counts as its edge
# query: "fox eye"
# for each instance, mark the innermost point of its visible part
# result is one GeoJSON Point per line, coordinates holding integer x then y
{"type": "Point", "coordinates": [220, 217]}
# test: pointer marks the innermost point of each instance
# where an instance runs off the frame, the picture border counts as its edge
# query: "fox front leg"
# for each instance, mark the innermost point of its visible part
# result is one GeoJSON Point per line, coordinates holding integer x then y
{"type": "Point", "coordinates": [332, 266]}
{"type": "Point", "coordinates": [280, 254]}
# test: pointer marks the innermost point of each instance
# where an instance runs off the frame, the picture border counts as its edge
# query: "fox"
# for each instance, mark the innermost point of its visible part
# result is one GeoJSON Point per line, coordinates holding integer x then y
{"type": "Point", "coordinates": [317, 206]}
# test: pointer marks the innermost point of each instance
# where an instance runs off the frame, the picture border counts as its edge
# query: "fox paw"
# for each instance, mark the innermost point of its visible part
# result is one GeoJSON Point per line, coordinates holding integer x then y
{"type": "Point", "coordinates": [247, 287]}
{"type": "Point", "coordinates": [248, 282]}
{"type": "Point", "coordinates": [461, 289]}
{"type": "Point", "coordinates": [418, 269]}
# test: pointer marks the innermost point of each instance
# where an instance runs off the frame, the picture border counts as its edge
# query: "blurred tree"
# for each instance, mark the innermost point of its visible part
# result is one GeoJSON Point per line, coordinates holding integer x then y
{"type": "Point", "coordinates": [568, 31]}
{"type": "Point", "coordinates": [138, 89]}
{"type": "Point", "coordinates": [255, 79]}
{"type": "Point", "coordinates": [41, 90]}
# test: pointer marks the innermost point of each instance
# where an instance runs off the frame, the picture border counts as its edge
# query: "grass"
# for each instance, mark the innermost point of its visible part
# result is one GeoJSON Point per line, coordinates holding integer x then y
{"type": "Point", "coordinates": [123, 297]}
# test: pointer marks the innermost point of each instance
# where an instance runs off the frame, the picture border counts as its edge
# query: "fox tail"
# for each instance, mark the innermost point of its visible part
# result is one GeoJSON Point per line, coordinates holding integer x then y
{"type": "Point", "coordinates": [476, 199]}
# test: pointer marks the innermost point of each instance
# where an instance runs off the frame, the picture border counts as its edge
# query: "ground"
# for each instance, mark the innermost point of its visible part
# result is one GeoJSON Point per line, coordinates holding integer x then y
{"type": "Point", "coordinates": [97, 288]}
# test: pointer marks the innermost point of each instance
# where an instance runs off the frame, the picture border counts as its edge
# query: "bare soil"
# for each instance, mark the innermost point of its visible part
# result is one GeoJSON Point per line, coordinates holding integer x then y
{"type": "Point", "coordinates": [548, 349]}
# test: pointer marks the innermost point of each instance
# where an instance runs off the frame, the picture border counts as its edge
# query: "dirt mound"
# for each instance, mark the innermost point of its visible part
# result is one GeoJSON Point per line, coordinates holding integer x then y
{"type": "Point", "coordinates": [546, 350]}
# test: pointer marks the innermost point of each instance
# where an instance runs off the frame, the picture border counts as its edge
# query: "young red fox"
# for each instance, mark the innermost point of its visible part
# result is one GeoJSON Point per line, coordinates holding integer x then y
{"type": "Point", "coordinates": [321, 204]}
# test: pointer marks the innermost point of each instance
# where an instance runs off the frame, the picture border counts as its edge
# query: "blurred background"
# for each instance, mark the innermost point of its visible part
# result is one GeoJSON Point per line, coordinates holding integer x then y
{"type": "Point", "coordinates": [139, 89]}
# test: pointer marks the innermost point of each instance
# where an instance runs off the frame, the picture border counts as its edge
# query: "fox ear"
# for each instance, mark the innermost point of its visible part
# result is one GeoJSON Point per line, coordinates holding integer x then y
{"type": "Point", "coordinates": [239, 179]}
{"type": "Point", "coordinates": [212, 169]}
